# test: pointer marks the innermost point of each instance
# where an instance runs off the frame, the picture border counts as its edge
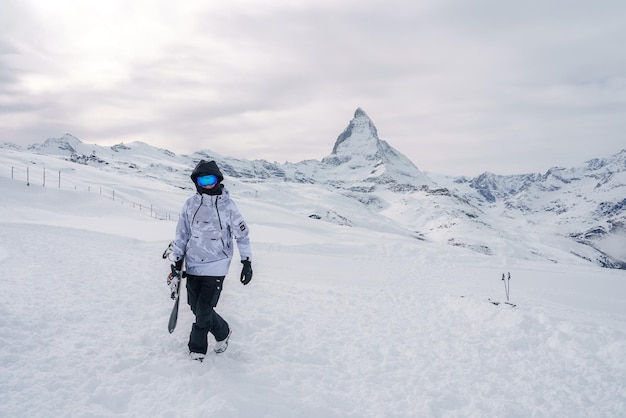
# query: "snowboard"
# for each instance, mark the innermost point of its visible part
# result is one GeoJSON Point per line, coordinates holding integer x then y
{"type": "Point", "coordinates": [171, 325]}
{"type": "Point", "coordinates": [176, 275]}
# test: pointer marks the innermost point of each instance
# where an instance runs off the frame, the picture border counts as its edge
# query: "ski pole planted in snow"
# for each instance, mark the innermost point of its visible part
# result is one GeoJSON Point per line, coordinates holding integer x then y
{"type": "Point", "coordinates": [507, 285]}
{"type": "Point", "coordinates": [506, 278]}
{"type": "Point", "coordinates": [507, 288]}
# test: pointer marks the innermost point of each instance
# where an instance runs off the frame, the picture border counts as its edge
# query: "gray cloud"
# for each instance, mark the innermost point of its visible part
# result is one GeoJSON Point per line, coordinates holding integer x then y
{"type": "Point", "coordinates": [459, 87]}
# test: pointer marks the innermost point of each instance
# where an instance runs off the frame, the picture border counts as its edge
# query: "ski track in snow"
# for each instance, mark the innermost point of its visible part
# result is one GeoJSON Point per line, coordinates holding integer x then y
{"type": "Point", "coordinates": [376, 328]}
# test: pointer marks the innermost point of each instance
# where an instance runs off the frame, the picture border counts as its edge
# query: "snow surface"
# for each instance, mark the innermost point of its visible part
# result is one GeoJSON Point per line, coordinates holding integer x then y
{"type": "Point", "coordinates": [338, 321]}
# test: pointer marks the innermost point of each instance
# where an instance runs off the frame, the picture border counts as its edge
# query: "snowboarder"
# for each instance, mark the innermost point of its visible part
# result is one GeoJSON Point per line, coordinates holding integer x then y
{"type": "Point", "coordinates": [204, 240]}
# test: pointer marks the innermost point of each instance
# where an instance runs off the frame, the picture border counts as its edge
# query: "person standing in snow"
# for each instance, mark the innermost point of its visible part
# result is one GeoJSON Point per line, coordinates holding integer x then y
{"type": "Point", "coordinates": [204, 240]}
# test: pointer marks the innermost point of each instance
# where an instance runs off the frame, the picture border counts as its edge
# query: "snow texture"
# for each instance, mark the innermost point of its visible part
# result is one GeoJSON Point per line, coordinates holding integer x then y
{"type": "Point", "coordinates": [338, 321]}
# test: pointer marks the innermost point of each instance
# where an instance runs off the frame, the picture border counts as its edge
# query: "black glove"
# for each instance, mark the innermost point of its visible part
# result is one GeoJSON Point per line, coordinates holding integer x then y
{"type": "Point", "coordinates": [246, 271]}
{"type": "Point", "coordinates": [179, 264]}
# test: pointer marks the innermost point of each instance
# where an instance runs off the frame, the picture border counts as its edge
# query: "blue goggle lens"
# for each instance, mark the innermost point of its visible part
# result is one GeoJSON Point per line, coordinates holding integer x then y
{"type": "Point", "coordinates": [209, 180]}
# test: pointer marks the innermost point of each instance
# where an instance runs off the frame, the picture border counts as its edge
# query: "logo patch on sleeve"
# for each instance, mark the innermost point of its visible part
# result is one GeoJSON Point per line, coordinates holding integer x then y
{"type": "Point", "coordinates": [242, 226]}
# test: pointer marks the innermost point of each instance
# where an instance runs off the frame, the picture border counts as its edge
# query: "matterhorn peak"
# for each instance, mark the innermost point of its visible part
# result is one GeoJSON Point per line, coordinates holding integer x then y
{"type": "Point", "coordinates": [360, 113]}
{"type": "Point", "coordinates": [360, 135]}
{"type": "Point", "coordinates": [368, 158]}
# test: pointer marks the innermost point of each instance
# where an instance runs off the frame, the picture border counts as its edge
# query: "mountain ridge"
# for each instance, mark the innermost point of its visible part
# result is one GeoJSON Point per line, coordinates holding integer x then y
{"type": "Point", "coordinates": [579, 209]}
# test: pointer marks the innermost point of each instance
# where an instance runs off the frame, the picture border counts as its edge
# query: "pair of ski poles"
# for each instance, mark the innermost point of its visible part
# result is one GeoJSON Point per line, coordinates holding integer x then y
{"type": "Point", "coordinates": [507, 285]}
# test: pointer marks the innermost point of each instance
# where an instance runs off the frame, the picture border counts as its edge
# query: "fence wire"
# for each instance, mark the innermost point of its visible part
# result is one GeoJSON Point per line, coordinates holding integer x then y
{"type": "Point", "coordinates": [58, 179]}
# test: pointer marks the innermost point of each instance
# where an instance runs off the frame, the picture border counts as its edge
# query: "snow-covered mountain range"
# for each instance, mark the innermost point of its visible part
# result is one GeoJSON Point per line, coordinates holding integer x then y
{"type": "Point", "coordinates": [567, 215]}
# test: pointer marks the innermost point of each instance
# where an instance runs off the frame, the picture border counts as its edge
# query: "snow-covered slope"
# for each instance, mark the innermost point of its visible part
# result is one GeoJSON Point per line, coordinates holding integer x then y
{"type": "Point", "coordinates": [338, 321]}
{"type": "Point", "coordinates": [586, 204]}
{"type": "Point", "coordinates": [565, 215]}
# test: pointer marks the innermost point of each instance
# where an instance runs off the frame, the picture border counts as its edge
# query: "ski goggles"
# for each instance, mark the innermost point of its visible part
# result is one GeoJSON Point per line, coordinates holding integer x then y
{"type": "Point", "coordinates": [208, 180]}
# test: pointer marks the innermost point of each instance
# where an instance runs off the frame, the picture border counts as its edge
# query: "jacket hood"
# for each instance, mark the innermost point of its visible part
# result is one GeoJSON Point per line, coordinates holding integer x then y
{"type": "Point", "coordinates": [204, 168]}
{"type": "Point", "coordinates": [207, 167]}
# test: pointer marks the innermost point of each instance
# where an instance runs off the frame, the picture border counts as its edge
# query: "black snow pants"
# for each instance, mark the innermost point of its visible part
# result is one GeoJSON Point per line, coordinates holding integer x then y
{"type": "Point", "coordinates": [203, 293]}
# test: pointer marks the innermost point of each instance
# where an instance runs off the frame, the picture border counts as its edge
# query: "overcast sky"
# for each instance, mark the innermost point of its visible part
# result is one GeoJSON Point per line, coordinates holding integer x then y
{"type": "Point", "coordinates": [458, 86]}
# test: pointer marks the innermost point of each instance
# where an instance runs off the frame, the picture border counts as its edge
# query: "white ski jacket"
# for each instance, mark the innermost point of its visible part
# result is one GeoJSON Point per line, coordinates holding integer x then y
{"type": "Point", "coordinates": [205, 231]}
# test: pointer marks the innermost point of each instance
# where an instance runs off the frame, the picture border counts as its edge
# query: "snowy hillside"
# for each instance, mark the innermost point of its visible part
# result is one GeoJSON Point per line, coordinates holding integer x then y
{"type": "Point", "coordinates": [347, 315]}
{"type": "Point", "coordinates": [575, 215]}
{"type": "Point", "coordinates": [585, 204]}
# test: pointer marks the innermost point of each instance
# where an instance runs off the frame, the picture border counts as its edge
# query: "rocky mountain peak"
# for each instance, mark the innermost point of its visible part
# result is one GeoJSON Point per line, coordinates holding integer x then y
{"type": "Point", "coordinates": [361, 156]}
{"type": "Point", "coordinates": [359, 133]}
